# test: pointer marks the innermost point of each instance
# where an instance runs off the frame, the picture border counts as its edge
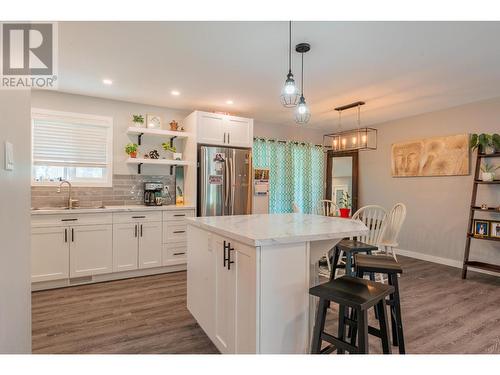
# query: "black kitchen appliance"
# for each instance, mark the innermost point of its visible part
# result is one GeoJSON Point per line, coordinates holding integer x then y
{"type": "Point", "coordinates": [153, 193]}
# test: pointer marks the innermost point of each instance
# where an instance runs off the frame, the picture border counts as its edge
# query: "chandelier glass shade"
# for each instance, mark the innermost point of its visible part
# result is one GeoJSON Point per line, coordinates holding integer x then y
{"type": "Point", "coordinates": [290, 93]}
{"type": "Point", "coordinates": [302, 113]}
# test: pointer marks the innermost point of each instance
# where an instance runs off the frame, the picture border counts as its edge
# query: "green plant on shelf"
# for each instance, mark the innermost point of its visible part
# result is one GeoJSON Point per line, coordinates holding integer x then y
{"type": "Point", "coordinates": [168, 147]}
{"type": "Point", "coordinates": [487, 143]}
{"type": "Point", "coordinates": [131, 148]}
{"type": "Point", "coordinates": [138, 119]}
{"type": "Point", "coordinates": [489, 168]}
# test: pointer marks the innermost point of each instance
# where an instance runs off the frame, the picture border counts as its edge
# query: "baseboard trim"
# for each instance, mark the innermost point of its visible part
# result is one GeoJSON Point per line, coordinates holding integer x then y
{"type": "Point", "coordinates": [439, 260]}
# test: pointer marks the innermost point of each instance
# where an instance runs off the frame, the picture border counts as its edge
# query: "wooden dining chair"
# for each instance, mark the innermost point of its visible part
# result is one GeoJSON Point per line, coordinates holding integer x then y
{"type": "Point", "coordinates": [326, 207]}
{"type": "Point", "coordinates": [388, 240]}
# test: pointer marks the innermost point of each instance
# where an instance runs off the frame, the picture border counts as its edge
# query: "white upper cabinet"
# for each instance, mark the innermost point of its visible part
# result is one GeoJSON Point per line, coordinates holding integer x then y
{"type": "Point", "coordinates": [224, 130]}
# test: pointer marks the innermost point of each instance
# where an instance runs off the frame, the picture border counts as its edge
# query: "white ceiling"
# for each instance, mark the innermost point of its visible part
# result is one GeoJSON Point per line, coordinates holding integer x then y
{"type": "Point", "coordinates": [399, 68]}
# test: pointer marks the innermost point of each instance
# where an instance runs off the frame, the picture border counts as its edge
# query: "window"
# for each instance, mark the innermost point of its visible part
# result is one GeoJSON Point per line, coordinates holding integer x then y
{"type": "Point", "coordinates": [71, 146]}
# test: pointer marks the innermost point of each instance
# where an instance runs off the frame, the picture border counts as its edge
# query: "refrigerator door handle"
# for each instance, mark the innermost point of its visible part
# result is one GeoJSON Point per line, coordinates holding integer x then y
{"type": "Point", "coordinates": [227, 184]}
{"type": "Point", "coordinates": [233, 179]}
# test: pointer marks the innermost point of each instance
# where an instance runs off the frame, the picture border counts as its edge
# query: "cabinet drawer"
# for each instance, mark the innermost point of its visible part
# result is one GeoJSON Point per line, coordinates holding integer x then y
{"type": "Point", "coordinates": [173, 232]}
{"type": "Point", "coordinates": [131, 217]}
{"type": "Point", "coordinates": [177, 215]}
{"type": "Point", "coordinates": [50, 220]}
{"type": "Point", "coordinates": [174, 253]}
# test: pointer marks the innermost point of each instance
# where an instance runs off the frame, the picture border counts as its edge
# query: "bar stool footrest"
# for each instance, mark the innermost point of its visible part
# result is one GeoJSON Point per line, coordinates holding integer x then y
{"type": "Point", "coordinates": [339, 344]}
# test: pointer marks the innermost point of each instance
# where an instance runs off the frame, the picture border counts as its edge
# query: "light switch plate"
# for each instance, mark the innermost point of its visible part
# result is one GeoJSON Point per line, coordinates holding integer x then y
{"type": "Point", "coordinates": [9, 156]}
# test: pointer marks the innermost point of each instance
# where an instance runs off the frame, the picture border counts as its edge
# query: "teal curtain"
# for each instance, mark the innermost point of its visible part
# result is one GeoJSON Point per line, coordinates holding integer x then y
{"type": "Point", "coordinates": [296, 173]}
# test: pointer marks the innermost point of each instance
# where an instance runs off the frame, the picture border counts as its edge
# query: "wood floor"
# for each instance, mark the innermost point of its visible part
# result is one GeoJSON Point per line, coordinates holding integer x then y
{"type": "Point", "coordinates": [441, 314]}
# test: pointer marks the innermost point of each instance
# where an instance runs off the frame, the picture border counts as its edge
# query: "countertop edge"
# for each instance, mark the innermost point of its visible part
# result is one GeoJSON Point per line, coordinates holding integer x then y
{"type": "Point", "coordinates": [110, 209]}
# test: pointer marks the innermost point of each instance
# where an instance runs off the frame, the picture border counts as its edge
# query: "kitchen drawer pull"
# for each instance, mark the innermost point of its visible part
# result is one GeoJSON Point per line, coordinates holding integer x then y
{"type": "Point", "coordinates": [138, 217]}
{"type": "Point", "coordinates": [179, 231]}
{"type": "Point", "coordinates": [178, 215]}
{"type": "Point", "coordinates": [69, 219]}
{"type": "Point", "coordinates": [180, 253]}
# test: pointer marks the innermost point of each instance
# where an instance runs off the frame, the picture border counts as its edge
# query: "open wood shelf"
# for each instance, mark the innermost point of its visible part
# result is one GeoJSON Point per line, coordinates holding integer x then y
{"type": "Point", "coordinates": [494, 155]}
{"type": "Point", "coordinates": [169, 134]}
{"type": "Point", "coordinates": [172, 163]}
{"type": "Point", "coordinates": [489, 209]}
{"type": "Point", "coordinates": [483, 266]}
{"type": "Point", "coordinates": [483, 238]}
{"type": "Point", "coordinates": [487, 182]}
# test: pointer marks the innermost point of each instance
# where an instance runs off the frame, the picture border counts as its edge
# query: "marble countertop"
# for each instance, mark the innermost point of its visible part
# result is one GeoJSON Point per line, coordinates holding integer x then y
{"type": "Point", "coordinates": [272, 229]}
{"type": "Point", "coordinates": [83, 210]}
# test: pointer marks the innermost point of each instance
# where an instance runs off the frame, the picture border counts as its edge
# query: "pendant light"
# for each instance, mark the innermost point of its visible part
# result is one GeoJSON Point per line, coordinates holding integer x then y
{"type": "Point", "coordinates": [290, 92]}
{"type": "Point", "coordinates": [361, 138]}
{"type": "Point", "coordinates": [302, 113]}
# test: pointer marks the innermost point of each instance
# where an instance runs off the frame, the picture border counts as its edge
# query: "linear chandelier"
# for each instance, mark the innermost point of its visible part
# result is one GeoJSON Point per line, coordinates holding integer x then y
{"type": "Point", "coordinates": [360, 138]}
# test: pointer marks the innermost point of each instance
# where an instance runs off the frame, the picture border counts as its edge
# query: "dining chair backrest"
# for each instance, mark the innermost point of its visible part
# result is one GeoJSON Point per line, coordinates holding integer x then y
{"type": "Point", "coordinates": [326, 207]}
{"type": "Point", "coordinates": [393, 223]}
{"type": "Point", "coordinates": [295, 207]}
{"type": "Point", "coordinates": [373, 217]}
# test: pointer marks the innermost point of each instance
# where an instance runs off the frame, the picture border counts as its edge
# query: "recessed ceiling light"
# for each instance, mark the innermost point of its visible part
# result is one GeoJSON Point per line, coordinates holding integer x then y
{"type": "Point", "coordinates": [229, 102]}
{"type": "Point", "coordinates": [107, 81]}
{"type": "Point", "coordinates": [175, 93]}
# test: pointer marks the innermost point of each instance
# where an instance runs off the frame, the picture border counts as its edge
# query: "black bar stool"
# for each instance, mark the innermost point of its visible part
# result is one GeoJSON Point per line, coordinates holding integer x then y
{"type": "Point", "coordinates": [359, 295]}
{"type": "Point", "coordinates": [386, 265]}
{"type": "Point", "coordinates": [350, 248]}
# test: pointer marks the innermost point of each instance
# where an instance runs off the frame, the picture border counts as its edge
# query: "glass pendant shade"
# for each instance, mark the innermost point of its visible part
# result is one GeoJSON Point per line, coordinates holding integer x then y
{"type": "Point", "coordinates": [302, 113]}
{"type": "Point", "coordinates": [290, 94]}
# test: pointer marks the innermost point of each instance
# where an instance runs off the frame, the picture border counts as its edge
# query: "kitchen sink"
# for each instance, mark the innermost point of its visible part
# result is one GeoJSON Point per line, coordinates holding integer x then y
{"type": "Point", "coordinates": [66, 208]}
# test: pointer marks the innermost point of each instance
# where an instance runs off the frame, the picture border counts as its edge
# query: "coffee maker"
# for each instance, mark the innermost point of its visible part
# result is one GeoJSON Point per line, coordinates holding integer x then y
{"type": "Point", "coordinates": [153, 193]}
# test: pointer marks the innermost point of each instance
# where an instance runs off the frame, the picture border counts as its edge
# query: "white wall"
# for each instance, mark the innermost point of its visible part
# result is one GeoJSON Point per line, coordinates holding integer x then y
{"type": "Point", "coordinates": [438, 207]}
{"type": "Point", "coordinates": [15, 201]}
{"type": "Point", "coordinates": [288, 132]}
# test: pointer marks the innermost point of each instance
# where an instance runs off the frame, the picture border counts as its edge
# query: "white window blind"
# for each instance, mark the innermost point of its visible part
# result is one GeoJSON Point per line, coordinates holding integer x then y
{"type": "Point", "coordinates": [71, 146]}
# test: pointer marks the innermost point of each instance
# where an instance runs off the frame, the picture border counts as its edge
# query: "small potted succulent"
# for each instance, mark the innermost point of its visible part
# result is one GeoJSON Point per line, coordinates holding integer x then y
{"type": "Point", "coordinates": [131, 150]}
{"type": "Point", "coordinates": [345, 205]}
{"type": "Point", "coordinates": [485, 143]}
{"type": "Point", "coordinates": [138, 121]}
{"type": "Point", "coordinates": [488, 172]}
{"type": "Point", "coordinates": [175, 155]}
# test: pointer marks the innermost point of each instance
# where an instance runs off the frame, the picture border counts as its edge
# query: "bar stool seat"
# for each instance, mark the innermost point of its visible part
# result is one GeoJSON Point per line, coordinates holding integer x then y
{"type": "Point", "coordinates": [349, 247]}
{"type": "Point", "coordinates": [385, 264]}
{"type": "Point", "coordinates": [360, 295]}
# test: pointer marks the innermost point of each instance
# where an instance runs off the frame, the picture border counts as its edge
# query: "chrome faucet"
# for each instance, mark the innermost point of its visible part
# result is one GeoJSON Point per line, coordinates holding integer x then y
{"type": "Point", "coordinates": [71, 202]}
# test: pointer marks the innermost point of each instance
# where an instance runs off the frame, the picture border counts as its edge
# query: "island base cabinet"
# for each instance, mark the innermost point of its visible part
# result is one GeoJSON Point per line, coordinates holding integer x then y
{"type": "Point", "coordinates": [222, 290]}
{"type": "Point", "coordinates": [91, 250]}
{"type": "Point", "coordinates": [49, 253]}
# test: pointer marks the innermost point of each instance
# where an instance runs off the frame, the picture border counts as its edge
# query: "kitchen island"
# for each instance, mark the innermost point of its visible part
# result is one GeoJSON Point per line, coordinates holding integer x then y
{"type": "Point", "coordinates": [249, 276]}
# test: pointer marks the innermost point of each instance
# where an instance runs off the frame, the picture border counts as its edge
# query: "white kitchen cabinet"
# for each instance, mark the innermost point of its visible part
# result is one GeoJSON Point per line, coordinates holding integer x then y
{"type": "Point", "coordinates": [224, 130]}
{"type": "Point", "coordinates": [125, 247]}
{"type": "Point", "coordinates": [150, 247]}
{"type": "Point", "coordinates": [222, 295]}
{"type": "Point", "coordinates": [91, 250]}
{"type": "Point", "coordinates": [49, 254]}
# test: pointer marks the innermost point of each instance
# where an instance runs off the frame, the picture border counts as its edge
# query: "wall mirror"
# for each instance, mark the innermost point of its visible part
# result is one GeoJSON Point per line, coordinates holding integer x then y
{"type": "Point", "coordinates": [342, 176]}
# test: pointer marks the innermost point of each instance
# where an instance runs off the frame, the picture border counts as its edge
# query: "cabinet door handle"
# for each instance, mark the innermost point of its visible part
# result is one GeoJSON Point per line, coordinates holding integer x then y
{"type": "Point", "coordinates": [135, 230]}
{"type": "Point", "coordinates": [179, 215]}
{"type": "Point", "coordinates": [224, 253]}
{"type": "Point", "coordinates": [228, 141]}
{"type": "Point", "coordinates": [138, 217]}
{"type": "Point", "coordinates": [72, 234]}
{"type": "Point", "coordinates": [179, 231]}
{"type": "Point", "coordinates": [141, 230]}
{"type": "Point", "coordinates": [229, 261]}
{"type": "Point", "coordinates": [69, 219]}
{"type": "Point", "coordinates": [179, 253]}
{"type": "Point", "coordinates": [65, 234]}
{"type": "Point", "coordinates": [224, 137]}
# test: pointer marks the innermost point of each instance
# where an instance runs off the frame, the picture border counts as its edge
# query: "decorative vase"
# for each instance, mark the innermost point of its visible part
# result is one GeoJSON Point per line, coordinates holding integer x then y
{"type": "Point", "coordinates": [133, 155]}
{"type": "Point", "coordinates": [138, 124]}
{"type": "Point", "coordinates": [177, 155]}
{"type": "Point", "coordinates": [488, 150]}
{"type": "Point", "coordinates": [344, 212]}
{"type": "Point", "coordinates": [487, 176]}
{"type": "Point", "coordinates": [174, 125]}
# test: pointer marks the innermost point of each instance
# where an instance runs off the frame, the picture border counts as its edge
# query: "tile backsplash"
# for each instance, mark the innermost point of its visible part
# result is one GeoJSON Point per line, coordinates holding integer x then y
{"type": "Point", "coordinates": [126, 190]}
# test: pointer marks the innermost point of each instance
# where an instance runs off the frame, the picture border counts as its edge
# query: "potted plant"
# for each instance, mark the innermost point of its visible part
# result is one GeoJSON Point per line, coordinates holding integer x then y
{"type": "Point", "coordinates": [170, 148]}
{"type": "Point", "coordinates": [131, 150]}
{"type": "Point", "coordinates": [138, 120]}
{"type": "Point", "coordinates": [487, 143]}
{"type": "Point", "coordinates": [488, 172]}
{"type": "Point", "coordinates": [345, 205]}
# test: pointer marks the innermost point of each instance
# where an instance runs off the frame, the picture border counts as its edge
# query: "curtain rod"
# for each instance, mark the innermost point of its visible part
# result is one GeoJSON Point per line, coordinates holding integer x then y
{"type": "Point", "coordinates": [286, 141]}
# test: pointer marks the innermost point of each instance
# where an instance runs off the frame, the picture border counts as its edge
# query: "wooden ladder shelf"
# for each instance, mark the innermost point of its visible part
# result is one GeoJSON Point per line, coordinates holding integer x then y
{"type": "Point", "coordinates": [473, 208]}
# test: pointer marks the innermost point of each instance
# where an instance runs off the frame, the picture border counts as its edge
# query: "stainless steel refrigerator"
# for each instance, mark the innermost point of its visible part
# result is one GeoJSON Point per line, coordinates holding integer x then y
{"type": "Point", "coordinates": [224, 181]}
